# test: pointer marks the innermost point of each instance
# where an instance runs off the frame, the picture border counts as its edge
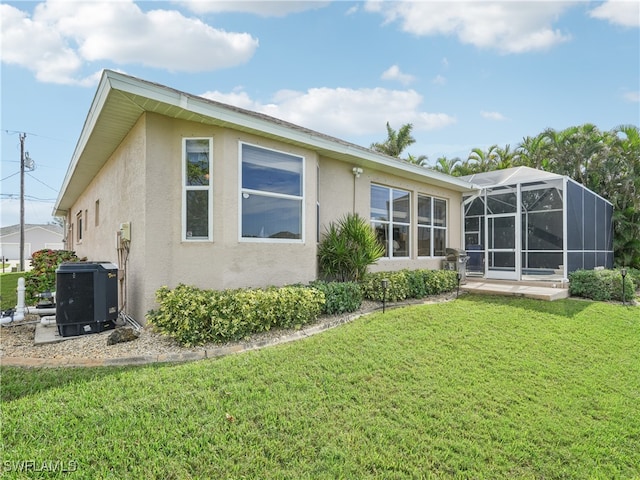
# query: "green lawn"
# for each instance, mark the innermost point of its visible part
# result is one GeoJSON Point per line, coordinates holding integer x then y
{"type": "Point", "coordinates": [481, 387]}
{"type": "Point", "coordinates": [8, 285]}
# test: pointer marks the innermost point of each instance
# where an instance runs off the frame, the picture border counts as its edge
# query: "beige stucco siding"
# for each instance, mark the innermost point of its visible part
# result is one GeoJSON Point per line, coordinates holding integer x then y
{"type": "Point", "coordinates": [342, 192]}
{"type": "Point", "coordinates": [227, 261]}
{"type": "Point", "coordinates": [141, 183]}
{"type": "Point", "coordinates": [119, 189]}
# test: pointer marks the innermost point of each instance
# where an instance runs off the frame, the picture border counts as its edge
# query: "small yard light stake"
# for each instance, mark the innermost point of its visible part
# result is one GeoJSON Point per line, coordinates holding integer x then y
{"type": "Point", "coordinates": [459, 277]}
{"type": "Point", "coordinates": [385, 284]}
{"type": "Point", "coordinates": [623, 272]}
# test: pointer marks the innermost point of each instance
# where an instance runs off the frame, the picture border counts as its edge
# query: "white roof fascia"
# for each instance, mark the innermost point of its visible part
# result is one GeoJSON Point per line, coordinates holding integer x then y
{"type": "Point", "coordinates": [94, 111]}
{"type": "Point", "coordinates": [204, 107]}
{"type": "Point", "coordinates": [115, 81]}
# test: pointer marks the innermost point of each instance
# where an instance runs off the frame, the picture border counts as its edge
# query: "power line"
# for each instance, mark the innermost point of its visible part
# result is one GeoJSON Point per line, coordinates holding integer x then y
{"type": "Point", "coordinates": [12, 175]}
{"type": "Point", "coordinates": [40, 181]}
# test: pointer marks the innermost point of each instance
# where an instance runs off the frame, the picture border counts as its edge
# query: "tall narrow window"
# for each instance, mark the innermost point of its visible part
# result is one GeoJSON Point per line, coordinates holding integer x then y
{"type": "Point", "coordinates": [272, 190]}
{"type": "Point", "coordinates": [96, 213]}
{"type": "Point", "coordinates": [432, 226]}
{"type": "Point", "coordinates": [79, 224]}
{"type": "Point", "coordinates": [197, 194]}
{"type": "Point", "coordinates": [391, 218]}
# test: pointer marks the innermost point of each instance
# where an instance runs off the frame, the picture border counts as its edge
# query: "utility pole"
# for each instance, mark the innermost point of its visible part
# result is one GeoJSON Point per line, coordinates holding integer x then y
{"type": "Point", "coordinates": [22, 138]}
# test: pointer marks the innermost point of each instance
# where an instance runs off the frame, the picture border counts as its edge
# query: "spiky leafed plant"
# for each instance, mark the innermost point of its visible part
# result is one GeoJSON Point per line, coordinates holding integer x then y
{"type": "Point", "coordinates": [347, 249]}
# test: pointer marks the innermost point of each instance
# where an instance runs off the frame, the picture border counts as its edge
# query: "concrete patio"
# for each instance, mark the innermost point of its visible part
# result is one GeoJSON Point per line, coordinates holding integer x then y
{"type": "Point", "coordinates": [538, 290]}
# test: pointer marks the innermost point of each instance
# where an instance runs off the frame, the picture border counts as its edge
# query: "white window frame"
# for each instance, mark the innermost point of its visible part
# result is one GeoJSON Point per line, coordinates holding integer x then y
{"type": "Point", "coordinates": [432, 227]}
{"type": "Point", "coordinates": [248, 191]}
{"type": "Point", "coordinates": [186, 188]}
{"type": "Point", "coordinates": [80, 230]}
{"type": "Point", "coordinates": [390, 222]}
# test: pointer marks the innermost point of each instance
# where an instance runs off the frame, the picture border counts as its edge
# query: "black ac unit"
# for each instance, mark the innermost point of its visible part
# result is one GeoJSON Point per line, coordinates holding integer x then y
{"type": "Point", "coordinates": [86, 297]}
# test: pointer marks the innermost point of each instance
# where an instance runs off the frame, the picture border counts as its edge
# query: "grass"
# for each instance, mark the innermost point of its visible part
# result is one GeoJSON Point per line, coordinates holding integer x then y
{"type": "Point", "coordinates": [482, 387]}
{"type": "Point", "coordinates": [8, 285]}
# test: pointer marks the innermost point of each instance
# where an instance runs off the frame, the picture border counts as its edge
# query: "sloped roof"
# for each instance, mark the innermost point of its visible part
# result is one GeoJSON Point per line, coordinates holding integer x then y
{"type": "Point", "coordinates": [510, 176]}
{"type": "Point", "coordinates": [11, 229]}
{"type": "Point", "coordinates": [121, 99]}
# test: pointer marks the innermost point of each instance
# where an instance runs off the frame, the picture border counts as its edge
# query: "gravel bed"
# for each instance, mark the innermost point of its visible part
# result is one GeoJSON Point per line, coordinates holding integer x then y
{"type": "Point", "coordinates": [17, 340]}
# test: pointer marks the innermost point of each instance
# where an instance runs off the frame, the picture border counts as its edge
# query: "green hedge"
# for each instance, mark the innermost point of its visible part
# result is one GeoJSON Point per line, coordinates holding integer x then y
{"type": "Point", "coordinates": [601, 285]}
{"type": "Point", "coordinates": [193, 316]}
{"type": "Point", "coordinates": [405, 284]}
{"type": "Point", "coordinates": [42, 276]}
{"type": "Point", "coordinates": [340, 297]}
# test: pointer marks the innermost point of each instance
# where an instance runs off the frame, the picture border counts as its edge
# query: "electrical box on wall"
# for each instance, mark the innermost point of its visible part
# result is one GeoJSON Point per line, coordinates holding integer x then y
{"type": "Point", "coordinates": [125, 232]}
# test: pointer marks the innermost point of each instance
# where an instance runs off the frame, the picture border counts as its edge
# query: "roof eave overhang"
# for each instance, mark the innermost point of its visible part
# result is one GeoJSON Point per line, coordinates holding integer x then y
{"type": "Point", "coordinates": [120, 100]}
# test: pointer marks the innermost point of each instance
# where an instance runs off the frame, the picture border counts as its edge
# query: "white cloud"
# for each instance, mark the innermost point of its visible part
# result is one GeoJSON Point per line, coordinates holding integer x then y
{"type": "Point", "coordinates": [439, 80]}
{"type": "Point", "coordinates": [497, 116]}
{"type": "Point", "coordinates": [343, 112]}
{"type": "Point", "coordinates": [394, 73]}
{"type": "Point", "coordinates": [261, 8]}
{"type": "Point", "coordinates": [633, 97]}
{"type": "Point", "coordinates": [509, 27]}
{"type": "Point", "coordinates": [619, 12]}
{"type": "Point", "coordinates": [60, 38]}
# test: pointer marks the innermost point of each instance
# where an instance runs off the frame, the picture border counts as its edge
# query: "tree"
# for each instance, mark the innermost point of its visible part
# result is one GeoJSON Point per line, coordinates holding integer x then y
{"type": "Point", "coordinates": [447, 165]}
{"type": "Point", "coordinates": [396, 142]}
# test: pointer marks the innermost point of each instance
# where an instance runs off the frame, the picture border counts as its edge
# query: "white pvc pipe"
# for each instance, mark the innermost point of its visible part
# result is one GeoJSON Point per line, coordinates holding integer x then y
{"type": "Point", "coordinates": [48, 320]}
{"type": "Point", "coordinates": [22, 310]}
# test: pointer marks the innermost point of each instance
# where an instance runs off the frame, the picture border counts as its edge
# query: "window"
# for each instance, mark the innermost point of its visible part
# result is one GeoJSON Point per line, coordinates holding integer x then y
{"type": "Point", "coordinates": [432, 226]}
{"type": "Point", "coordinates": [197, 195]}
{"type": "Point", "coordinates": [272, 190]}
{"type": "Point", "coordinates": [79, 224]}
{"type": "Point", "coordinates": [391, 218]}
{"type": "Point", "coordinates": [96, 214]}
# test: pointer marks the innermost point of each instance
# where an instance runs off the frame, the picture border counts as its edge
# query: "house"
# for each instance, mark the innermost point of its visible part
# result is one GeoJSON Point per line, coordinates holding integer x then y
{"type": "Point", "coordinates": [174, 188]}
{"type": "Point", "coordinates": [36, 237]}
{"type": "Point", "coordinates": [526, 224]}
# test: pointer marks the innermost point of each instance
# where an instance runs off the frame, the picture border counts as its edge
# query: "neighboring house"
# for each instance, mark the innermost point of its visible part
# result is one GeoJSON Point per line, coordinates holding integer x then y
{"type": "Point", "coordinates": [174, 188]}
{"type": "Point", "coordinates": [36, 237]}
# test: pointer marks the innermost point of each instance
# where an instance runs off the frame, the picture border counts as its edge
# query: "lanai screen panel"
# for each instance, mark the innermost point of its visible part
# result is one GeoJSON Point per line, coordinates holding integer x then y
{"type": "Point", "coordinates": [542, 227]}
{"type": "Point", "coordinates": [589, 229]}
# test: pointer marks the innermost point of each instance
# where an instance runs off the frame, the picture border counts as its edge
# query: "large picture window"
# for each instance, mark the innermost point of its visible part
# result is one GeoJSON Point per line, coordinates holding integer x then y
{"type": "Point", "coordinates": [272, 189]}
{"type": "Point", "coordinates": [432, 226]}
{"type": "Point", "coordinates": [391, 218]}
{"type": "Point", "coordinates": [197, 195]}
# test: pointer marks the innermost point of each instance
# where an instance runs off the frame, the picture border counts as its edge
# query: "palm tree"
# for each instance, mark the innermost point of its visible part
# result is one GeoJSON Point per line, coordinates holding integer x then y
{"type": "Point", "coordinates": [421, 160]}
{"type": "Point", "coordinates": [446, 165]}
{"type": "Point", "coordinates": [396, 142]}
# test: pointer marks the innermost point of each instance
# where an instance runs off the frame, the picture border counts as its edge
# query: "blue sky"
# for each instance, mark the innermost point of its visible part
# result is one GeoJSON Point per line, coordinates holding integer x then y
{"type": "Point", "coordinates": [465, 74]}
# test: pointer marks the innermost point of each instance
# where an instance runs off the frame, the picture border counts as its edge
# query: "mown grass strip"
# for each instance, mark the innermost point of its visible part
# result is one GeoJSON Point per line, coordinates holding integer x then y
{"type": "Point", "coordinates": [481, 387]}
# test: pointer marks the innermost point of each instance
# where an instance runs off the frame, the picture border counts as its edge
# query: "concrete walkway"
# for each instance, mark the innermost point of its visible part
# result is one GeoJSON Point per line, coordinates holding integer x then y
{"type": "Point", "coordinates": [518, 289]}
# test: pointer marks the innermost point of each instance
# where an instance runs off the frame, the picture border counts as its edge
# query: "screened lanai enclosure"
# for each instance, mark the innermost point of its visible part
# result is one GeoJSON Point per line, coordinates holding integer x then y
{"type": "Point", "coordinates": [527, 224]}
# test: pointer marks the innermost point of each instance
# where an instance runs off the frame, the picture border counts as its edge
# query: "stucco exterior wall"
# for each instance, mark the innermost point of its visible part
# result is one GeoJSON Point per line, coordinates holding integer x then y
{"type": "Point", "coordinates": [227, 261]}
{"type": "Point", "coordinates": [119, 190]}
{"type": "Point", "coordinates": [342, 192]}
{"type": "Point", "coordinates": [142, 184]}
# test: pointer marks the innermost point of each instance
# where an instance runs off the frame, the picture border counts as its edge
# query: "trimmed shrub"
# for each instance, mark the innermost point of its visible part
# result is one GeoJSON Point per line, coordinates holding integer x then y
{"type": "Point", "coordinates": [42, 277]}
{"type": "Point", "coordinates": [405, 284]}
{"type": "Point", "coordinates": [193, 316]}
{"type": "Point", "coordinates": [600, 285]}
{"type": "Point", "coordinates": [340, 297]}
{"type": "Point", "coordinates": [397, 290]}
{"type": "Point", "coordinates": [440, 281]}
